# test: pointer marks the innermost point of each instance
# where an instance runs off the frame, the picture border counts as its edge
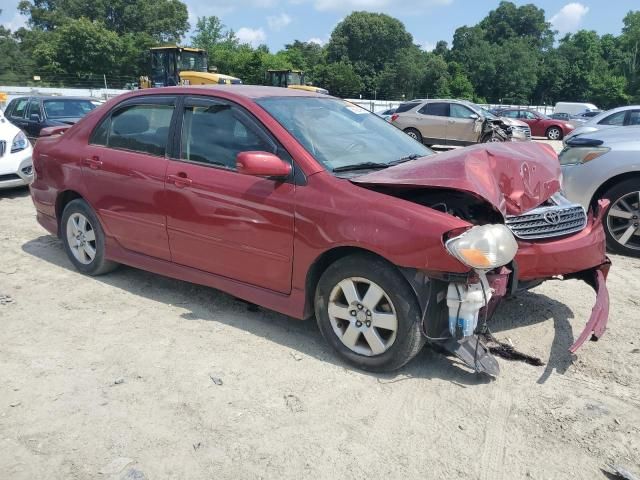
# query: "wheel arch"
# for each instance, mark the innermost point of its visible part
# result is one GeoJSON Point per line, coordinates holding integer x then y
{"type": "Point", "coordinates": [329, 257]}
{"type": "Point", "coordinates": [62, 200]}
{"type": "Point", "coordinates": [610, 184]}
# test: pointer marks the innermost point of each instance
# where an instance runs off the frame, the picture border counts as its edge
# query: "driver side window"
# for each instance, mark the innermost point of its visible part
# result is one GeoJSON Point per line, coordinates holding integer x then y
{"type": "Point", "coordinates": [460, 111]}
{"type": "Point", "coordinates": [214, 134]}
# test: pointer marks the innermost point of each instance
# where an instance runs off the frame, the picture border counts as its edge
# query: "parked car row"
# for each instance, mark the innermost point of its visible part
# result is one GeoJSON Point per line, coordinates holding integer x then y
{"type": "Point", "coordinates": [541, 125]}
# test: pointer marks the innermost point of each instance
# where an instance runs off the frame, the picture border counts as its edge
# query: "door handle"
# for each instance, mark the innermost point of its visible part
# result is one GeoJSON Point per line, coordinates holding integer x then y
{"type": "Point", "coordinates": [180, 180]}
{"type": "Point", "coordinates": [92, 162]}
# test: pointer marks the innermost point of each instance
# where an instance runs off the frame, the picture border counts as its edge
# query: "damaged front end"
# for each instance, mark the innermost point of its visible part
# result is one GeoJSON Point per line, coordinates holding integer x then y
{"type": "Point", "coordinates": [521, 232]}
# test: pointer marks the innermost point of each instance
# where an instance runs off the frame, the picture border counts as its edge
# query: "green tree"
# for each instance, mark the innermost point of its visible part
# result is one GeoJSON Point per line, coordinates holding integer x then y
{"type": "Point", "coordinates": [340, 79]}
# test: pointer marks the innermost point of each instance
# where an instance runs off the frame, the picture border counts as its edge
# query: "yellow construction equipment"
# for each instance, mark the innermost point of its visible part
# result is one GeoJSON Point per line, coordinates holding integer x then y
{"type": "Point", "coordinates": [291, 79]}
{"type": "Point", "coordinates": [174, 65]}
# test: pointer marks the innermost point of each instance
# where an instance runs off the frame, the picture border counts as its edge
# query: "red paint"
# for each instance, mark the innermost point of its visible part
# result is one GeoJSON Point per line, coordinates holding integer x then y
{"type": "Point", "coordinates": [597, 323]}
{"type": "Point", "coordinates": [257, 238]}
{"type": "Point", "coordinates": [514, 177]}
{"type": "Point", "coordinates": [540, 124]}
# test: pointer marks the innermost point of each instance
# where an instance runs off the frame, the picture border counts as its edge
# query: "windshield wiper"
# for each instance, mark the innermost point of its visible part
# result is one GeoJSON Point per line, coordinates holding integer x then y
{"type": "Point", "coordinates": [408, 158]}
{"type": "Point", "coordinates": [360, 166]}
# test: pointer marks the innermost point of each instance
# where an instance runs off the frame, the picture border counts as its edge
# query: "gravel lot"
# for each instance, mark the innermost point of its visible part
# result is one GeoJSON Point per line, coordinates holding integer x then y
{"type": "Point", "coordinates": [133, 375]}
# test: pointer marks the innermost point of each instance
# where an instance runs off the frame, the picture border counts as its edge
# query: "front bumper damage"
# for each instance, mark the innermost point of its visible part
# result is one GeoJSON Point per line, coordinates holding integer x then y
{"type": "Point", "coordinates": [563, 257]}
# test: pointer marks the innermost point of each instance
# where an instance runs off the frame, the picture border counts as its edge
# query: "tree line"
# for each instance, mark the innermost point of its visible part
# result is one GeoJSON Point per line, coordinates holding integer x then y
{"type": "Point", "coordinates": [511, 56]}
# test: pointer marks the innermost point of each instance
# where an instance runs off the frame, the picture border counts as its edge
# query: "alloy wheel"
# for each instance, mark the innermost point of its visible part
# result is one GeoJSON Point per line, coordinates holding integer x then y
{"type": "Point", "coordinates": [363, 316]}
{"type": "Point", "coordinates": [554, 134]}
{"type": "Point", "coordinates": [623, 220]}
{"type": "Point", "coordinates": [81, 238]}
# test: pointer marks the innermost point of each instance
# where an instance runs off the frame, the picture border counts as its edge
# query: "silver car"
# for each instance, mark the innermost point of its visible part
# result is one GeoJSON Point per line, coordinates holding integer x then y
{"type": "Point", "coordinates": [606, 164]}
{"type": "Point", "coordinates": [618, 117]}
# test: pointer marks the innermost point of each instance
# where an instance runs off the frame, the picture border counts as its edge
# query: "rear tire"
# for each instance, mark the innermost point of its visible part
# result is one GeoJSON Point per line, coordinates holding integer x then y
{"type": "Point", "coordinates": [368, 313]}
{"type": "Point", "coordinates": [413, 133]}
{"type": "Point", "coordinates": [622, 218]}
{"type": "Point", "coordinates": [554, 133]}
{"type": "Point", "coordinates": [84, 239]}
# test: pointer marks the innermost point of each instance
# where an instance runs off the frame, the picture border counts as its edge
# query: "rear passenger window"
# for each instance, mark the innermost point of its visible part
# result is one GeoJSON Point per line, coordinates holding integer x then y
{"type": "Point", "coordinates": [34, 108]}
{"type": "Point", "coordinates": [634, 117]}
{"type": "Point", "coordinates": [615, 119]}
{"type": "Point", "coordinates": [215, 134]}
{"type": "Point", "coordinates": [139, 128]}
{"type": "Point", "coordinates": [20, 107]}
{"type": "Point", "coordinates": [436, 109]}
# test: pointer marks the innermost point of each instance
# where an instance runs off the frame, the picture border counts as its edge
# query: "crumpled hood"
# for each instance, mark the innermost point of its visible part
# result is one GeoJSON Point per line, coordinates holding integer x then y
{"type": "Point", "coordinates": [513, 177]}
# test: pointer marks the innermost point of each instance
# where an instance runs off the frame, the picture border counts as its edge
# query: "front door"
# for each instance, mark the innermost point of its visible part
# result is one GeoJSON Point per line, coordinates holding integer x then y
{"type": "Point", "coordinates": [33, 120]}
{"type": "Point", "coordinates": [463, 125]}
{"type": "Point", "coordinates": [431, 120]}
{"type": "Point", "coordinates": [124, 169]}
{"type": "Point", "coordinates": [221, 221]}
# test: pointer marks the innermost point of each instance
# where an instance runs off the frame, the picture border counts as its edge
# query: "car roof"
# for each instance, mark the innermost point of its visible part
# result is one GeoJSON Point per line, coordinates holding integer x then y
{"type": "Point", "coordinates": [247, 91]}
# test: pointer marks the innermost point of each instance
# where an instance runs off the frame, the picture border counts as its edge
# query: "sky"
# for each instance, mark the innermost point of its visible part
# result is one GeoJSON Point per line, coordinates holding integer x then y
{"type": "Point", "coordinates": [277, 22]}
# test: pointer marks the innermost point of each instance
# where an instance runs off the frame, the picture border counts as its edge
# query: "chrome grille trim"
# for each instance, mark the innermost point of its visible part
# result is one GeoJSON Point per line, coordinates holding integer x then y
{"type": "Point", "coordinates": [571, 218]}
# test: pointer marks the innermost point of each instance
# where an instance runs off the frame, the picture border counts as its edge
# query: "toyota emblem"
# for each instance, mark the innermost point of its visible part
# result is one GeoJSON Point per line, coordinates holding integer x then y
{"type": "Point", "coordinates": [552, 218]}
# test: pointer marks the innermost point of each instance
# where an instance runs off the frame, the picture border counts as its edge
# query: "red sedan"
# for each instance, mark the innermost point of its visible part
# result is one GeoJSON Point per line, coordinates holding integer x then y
{"type": "Point", "coordinates": [541, 125]}
{"type": "Point", "coordinates": [307, 204]}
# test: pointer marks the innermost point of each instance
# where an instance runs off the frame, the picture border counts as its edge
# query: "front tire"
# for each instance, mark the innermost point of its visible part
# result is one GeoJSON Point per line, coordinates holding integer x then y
{"type": "Point", "coordinates": [84, 239]}
{"type": "Point", "coordinates": [622, 219]}
{"type": "Point", "coordinates": [368, 313]}
{"type": "Point", "coordinates": [554, 133]}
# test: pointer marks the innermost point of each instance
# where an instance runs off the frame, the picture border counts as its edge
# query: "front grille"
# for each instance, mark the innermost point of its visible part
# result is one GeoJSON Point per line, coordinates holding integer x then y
{"type": "Point", "coordinates": [3, 147]}
{"type": "Point", "coordinates": [526, 130]}
{"type": "Point", "coordinates": [11, 176]}
{"type": "Point", "coordinates": [548, 221]}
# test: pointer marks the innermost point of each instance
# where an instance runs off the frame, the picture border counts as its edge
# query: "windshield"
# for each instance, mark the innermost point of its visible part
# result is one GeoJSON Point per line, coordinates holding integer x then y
{"type": "Point", "coordinates": [67, 108]}
{"type": "Point", "coordinates": [340, 134]}
{"type": "Point", "coordinates": [486, 113]}
{"type": "Point", "coordinates": [194, 61]}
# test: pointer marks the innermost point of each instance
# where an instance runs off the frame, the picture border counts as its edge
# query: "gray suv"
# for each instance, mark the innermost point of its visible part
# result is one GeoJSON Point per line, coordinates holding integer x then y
{"type": "Point", "coordinates": [456, 122]}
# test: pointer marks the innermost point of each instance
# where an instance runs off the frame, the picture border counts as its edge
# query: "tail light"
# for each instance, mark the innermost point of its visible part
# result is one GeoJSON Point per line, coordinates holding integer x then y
{"type": "Point", "coordinates": [394, 117]}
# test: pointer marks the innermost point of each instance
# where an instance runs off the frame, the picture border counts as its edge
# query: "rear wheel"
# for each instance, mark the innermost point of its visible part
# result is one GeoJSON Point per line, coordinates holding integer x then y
{"type": "Point", "coordinates": [554, 133]}
{"type": "Point", "coordinates": [84, 239]}
{"type": "Point", "coordinates": [368, 313]}
{"type": "Point", "coordinates": [622, 220]}
{"type": "Point", "coordinates": [413, 133]}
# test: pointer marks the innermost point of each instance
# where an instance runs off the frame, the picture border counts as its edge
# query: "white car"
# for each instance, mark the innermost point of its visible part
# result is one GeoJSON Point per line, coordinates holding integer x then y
{"type": "Point", "coordinates": [618, 117]}
{"type": "Point", "coordinates": [16, 168]}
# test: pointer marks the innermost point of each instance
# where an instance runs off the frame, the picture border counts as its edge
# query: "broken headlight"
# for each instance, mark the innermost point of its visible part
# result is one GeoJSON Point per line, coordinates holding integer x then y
{"type": "Point", "coordinates": [484, 247]}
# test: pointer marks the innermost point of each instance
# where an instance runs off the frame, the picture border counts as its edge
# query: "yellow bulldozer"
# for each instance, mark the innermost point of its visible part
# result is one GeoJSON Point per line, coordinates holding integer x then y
{"type": "Point", "coordinates": [174, 65]}
{"type": "Point", "coordinates": [291, 79]}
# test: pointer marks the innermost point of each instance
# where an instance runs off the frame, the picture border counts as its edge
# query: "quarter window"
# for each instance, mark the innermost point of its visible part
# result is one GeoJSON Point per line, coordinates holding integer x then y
{"type": "Point", "coordinates": [214, 134]}
{"type": "Point", "coordinates": [614, 119]}
{"type": "Point", "coordinates": [435, 109]}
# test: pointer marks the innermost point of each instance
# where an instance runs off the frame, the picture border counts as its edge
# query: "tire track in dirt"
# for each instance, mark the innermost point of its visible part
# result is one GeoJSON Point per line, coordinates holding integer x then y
{"type": "Point", "coordinates": [494, 446]}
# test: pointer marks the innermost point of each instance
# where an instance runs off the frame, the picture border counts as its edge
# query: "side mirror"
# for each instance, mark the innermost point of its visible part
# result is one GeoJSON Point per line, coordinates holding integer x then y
{"type": "Point", "coordinates": [262, 164]}
{"type": "Point", "coordinates": [35, 117]}
{"type": "Point", "coordinates": [474, 116]}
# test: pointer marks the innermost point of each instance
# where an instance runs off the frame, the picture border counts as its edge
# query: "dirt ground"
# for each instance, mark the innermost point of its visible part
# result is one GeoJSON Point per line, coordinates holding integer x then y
{"type": "Point", "coordinates": [133, 375]}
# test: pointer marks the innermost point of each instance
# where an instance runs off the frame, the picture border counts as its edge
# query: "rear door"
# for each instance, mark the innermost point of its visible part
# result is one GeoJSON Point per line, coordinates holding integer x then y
{"type": "Point", "coordinates": [432, 121]}
{"type": "Point", "coordinates": [462, 125]}
{"type": "Point", "coordinates": [220, 221]}
{"type": "Point", "coordinates": [124, 169]}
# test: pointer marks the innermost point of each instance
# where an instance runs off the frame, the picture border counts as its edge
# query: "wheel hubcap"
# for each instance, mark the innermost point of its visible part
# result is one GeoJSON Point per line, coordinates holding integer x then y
{"type": "Point", "coordinates": [554, 134]}
{"type": "Point", "coordinates": [623, 220]}
{"type": "Point", "coordinates": [363, 316]}
{"type": "Point", "coordinates": [81, 238]}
